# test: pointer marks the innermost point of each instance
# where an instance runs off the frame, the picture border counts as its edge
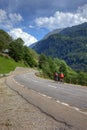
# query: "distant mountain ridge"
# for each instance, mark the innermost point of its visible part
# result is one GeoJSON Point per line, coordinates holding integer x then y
{"type": "Point", "coordinates": [69, 44]}
{"type": "Point", "coordinates": [56, 31]}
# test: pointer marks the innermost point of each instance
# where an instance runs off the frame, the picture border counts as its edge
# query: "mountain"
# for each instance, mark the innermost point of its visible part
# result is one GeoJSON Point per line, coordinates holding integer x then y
{"type": "Point", "coordinates": [56, 31]}
{"type": "Point", "coordinates": [69, 44]}
{"type": "Point", "coordinates": [32, 45]}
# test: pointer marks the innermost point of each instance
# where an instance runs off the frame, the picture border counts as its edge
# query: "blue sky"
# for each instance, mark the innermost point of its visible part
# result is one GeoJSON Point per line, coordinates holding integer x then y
{"type": "Point", "coordinates": [33, 19]}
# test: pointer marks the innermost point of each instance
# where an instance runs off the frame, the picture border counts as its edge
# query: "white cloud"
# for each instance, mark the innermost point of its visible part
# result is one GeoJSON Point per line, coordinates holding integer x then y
{"type": "Point", "coordinates": [3, 15]}
{"type": "Point", "coordinates": [63, 19]}
{"type": "Point", "coordinates": [7, 20]}
{"type": "Point", "coordinates": [82, 11]}
{"type": "Point", "coordinates": [30, 26]}
{"type": "Point", "coordinates": [15, 17]}
{"type": "Point", "coordinates": [27, 38]}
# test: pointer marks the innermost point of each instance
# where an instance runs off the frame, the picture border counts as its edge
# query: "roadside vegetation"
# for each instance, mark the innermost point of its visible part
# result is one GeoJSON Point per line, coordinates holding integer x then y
{"type": "Point", "coordinates": [14, 53]}
{"type": "Point", "coordinates": [49, 65]}
{"type": "Point", "coordinates": [7, 64]}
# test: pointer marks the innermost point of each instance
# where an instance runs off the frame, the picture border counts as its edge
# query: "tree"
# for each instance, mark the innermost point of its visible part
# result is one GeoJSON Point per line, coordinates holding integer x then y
{"type": "Point", "coordinates": [2, 46]}
{"type": "Point", "coordinates": [28, 57]}
{"type": "Point", "coordinates": [48, 65]}
{"type": "Point", "coordinates": [42, 60]}
{"type": "Point", "coordinates": [16, 49]}
{"type": "Point", "coordinates": [82, 78]}
{"type": "Point", "coordinates": [5, 39]}
{"type": "Point", "coordinates": [52, 66]}
{"type": "Point", "coordinates": [63, 68]}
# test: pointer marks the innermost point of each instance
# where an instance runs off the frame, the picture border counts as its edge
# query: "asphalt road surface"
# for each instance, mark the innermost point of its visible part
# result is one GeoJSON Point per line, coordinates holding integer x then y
{"type": "Point", "coordinates": [68, 94]}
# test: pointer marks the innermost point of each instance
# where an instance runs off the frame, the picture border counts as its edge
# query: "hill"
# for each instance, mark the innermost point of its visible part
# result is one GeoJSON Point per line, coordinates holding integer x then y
{"type": "Point", "coordinates": [69, 44]}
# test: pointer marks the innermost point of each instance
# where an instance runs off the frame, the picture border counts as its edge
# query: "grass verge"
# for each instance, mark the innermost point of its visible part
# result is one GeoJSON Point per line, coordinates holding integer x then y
{"type": "Point", "coordinates": [7, 64]}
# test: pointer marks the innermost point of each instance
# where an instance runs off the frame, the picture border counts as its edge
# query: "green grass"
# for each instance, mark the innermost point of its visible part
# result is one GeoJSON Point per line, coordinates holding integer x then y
{"type": "Point", "coordinates": [8, 64]}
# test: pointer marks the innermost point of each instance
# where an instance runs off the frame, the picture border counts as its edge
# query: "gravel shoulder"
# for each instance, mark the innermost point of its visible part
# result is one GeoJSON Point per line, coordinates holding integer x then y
{"type": "Point", "coordinates": [17, 114]}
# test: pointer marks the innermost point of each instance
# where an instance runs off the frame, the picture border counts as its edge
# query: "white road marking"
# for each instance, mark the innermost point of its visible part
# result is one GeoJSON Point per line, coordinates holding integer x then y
{"type": "Point", "coordinates": [85, 113]}
{"type": "Point", "coordinates": [58, 101]}
{"type": "Point", "coordinates": [76, 108]}
{"type": "Point", "coordinates": [43, 95]}
{"type": "Point", "coordinates": [52, 86]}
{"type": "Point", "coordinates": [64, 104]}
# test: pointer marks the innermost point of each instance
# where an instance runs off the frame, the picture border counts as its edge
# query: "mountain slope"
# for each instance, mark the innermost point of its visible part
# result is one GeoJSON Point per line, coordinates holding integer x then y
{"type": "Point", "coordinates": [56, 31]}
{"type": "Point", "coordinates": [70, 44]}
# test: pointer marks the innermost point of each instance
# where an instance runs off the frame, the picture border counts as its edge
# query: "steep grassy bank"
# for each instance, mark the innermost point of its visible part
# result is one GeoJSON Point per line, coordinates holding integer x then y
{"type": "Point", "coordinates": [7, 64]}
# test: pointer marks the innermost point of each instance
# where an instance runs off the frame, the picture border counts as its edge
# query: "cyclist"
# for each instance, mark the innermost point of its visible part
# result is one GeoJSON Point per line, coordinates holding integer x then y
{"type": "Point", "coordinates": [61, 77]}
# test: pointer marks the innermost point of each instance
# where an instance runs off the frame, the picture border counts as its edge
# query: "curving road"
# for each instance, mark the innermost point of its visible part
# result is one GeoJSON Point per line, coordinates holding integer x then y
{"type": "Point", "coordinates": [72, 95]}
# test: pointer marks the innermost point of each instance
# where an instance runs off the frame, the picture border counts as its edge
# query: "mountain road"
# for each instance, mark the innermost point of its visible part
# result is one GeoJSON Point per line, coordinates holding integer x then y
{"type": "Point", "coordinates": [72, 95]}
{"type": "Point", "coordinates": [65, 103]}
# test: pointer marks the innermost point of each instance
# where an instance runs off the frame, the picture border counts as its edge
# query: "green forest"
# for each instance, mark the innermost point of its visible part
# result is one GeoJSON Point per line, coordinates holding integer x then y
{"type": "Point", "coordinates": [14, 53]}
{"type": "Point", "coordinates": [69, 44]}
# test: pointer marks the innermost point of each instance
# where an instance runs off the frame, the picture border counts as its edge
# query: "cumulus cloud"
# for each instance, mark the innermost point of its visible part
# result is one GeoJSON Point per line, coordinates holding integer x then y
{"type": "Point", "coordinates": [63, 19]}
{"type": "Point", "coordinates": [19, 33]}
{"type": "Point", "coordinates": [82, 11]}
{"type": "Point", "coordinates": [3, 15]}
{"type": "Point", "coordinates": [15, 17]}
{"type": "Point", "coordinates": [7, 20]}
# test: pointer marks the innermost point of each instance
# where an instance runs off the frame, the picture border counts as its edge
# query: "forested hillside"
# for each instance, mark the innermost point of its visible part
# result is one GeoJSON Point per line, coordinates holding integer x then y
{"type": "Point", "coordinates": [69, 44]}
